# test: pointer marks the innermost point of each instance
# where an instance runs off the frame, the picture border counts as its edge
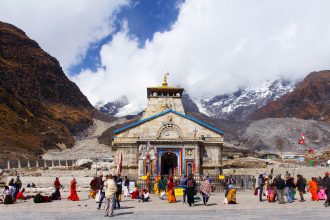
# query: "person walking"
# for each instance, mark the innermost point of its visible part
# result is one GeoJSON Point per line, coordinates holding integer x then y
{"type": "Point", "coordinates": [57, 195]}
{"type": "Point", "coordinates": [280, 186]}
{"type": "Point", "coordinates": [110, 193]}
{"type": "Point", "coordinates": [118, 182]}
{"type": "Point", "coordinates": [126, 187]}
{"type": "Point", "coordinates": [170, 191]}
{"type": "Point", "coordinates": [301, 186]}
{"type": "Point", "coordinates": [190, 188]}
{"type": "Point", "coordinates": [162, 187]}
{"type": "Point", "coordinates": [261, 183]}
{"type": "Point", "coordinates": [205, 190]}
{"type": "Point", "coordinates": [101, 191]}
{"type": "Point", "coordinates": [184, 187]}
{"type": "Point", "coordinates": [73, 192]}
{"type": "Point", "coordinates": [254, 181]}
{"type": "Point", "coordinates": [288, 188]}
{"type": "Point", "coordinates": [326, 185]}
{"type": "Point", "coordinates": [313, 187]}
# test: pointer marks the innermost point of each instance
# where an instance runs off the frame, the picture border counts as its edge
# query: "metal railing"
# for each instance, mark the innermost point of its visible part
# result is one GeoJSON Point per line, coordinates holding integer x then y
{"type": "Point", "coordinates": [242, 182]}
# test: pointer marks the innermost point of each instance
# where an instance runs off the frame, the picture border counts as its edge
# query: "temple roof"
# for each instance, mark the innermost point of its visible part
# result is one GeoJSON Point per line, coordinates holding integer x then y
{"type": "Point", "coordinates": [217, 130]}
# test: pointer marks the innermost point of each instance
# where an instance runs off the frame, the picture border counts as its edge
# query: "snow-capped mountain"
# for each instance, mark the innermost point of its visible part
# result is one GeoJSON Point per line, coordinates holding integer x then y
{"type": "Point", "coordinates": [232, 106]}
{"type": "Point", "coordinates": [112, 108]}
{"type": "Point", "coordinates": [237, 105]}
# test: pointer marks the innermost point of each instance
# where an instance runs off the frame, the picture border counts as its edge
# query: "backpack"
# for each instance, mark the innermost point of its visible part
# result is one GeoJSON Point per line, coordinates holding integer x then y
{"type": "Point", "coordinates": [190, 184]}
{"type": "Point", "coordinates": [38, 198]}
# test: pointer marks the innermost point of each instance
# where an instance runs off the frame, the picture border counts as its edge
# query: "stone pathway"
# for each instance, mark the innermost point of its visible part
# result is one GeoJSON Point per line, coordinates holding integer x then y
{"type": "Point", "coordinates": [248, 208]}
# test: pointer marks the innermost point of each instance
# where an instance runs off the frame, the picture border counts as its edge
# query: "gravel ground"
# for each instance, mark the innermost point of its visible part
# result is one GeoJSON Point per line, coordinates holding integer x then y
{"type": "Point", "coordinates": [89, 147]}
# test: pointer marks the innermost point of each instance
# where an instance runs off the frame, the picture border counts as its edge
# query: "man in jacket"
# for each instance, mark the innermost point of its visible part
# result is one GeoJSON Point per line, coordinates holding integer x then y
{"type": "Point", "coordinates": [184, 187]}
{"type": "Point", "coordinates": [301, 185]}
{"type": "Point", "coordinates": [110, 190]}
{"type": "Point", "coordinates": [190, 189]}
{"type": "Point", "coordinates": [261, 183]}
{"type": "Point", "coordinates": [288, 188]}
{"type": "Point", "coordinates": [280, 186]}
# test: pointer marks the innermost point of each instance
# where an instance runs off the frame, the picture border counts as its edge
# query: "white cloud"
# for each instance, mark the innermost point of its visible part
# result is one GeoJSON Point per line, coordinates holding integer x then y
{"type": "Point", "coordinates": [64, 28]}
{"type": "Point", "coordinates": [215, 47]}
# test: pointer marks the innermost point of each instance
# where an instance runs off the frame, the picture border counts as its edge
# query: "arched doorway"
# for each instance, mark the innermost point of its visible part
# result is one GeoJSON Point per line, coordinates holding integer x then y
{"type": "Point", "coordinates": [169, 164]}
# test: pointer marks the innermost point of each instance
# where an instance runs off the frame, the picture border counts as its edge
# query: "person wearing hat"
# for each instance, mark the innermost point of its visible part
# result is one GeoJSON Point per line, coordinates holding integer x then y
{"type": "Point", "coordinates": [326, 184]}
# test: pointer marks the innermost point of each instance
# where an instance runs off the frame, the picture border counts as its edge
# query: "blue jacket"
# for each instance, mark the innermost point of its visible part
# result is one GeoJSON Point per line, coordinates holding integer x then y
{"type": "Point", "coordinates": [184, 182]}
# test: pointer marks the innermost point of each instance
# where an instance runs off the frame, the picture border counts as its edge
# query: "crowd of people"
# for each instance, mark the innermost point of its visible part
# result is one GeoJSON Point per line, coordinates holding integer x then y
{"type": "Point", "coordinates": [113, 188]}
{"type": "Point", "coordinates": [277, 188]}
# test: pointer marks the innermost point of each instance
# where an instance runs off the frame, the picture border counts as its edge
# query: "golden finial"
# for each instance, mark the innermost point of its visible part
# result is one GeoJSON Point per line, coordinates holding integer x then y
{"type": "Point", "coordinates": [164, 84]}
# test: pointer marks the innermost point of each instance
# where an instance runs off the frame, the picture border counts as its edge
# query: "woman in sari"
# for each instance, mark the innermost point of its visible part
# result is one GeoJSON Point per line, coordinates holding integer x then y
{"type": "Point", "coordinates": [270, 189]}
{"type": "Point", "coordinates": [231, 196]}
{"type": "Point", "coordinates": [170, 191]}
{"type": "Point", "coordinates": [205, 190]}
{"type": "Point", "coordinates": [313, 189]}
{"type": "Point", "coordinates": [73, 193]}
{"type": "Point", "coordinates": [156, 188]}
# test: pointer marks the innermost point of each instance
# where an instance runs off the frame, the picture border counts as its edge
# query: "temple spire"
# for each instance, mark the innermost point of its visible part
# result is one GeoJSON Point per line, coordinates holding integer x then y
{"type": "Point", "coordinates": [164, 84]}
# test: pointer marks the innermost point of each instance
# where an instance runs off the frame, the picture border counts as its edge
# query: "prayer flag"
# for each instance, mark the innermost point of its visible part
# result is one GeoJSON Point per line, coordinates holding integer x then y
{"type": "Point", "coordinates": [121, 163]}
{"type": "Point", "coordinates": [302, 140]}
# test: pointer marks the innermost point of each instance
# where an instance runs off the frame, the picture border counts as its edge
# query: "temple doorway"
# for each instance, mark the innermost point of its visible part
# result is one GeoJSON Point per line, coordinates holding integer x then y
{"type": "Point", "coordinates": [169, 164]}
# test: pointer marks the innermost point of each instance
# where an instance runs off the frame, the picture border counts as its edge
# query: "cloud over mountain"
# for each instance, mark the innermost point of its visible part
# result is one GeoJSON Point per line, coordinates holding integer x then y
{"type": "Point", "coordinates": [63, 28]}
{"type": "Point", "coordinates": [216, 47]}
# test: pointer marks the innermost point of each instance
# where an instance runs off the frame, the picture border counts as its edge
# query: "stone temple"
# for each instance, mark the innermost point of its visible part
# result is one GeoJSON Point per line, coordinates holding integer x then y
{"type": "Point", "coordinates": [166, 141]}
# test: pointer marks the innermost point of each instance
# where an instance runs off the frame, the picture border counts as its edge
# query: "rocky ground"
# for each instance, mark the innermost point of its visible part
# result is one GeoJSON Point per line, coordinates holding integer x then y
{"type": "Point", "coordinates": [264, 134]}
{"type": "Point", "coordinates": [87, 147]}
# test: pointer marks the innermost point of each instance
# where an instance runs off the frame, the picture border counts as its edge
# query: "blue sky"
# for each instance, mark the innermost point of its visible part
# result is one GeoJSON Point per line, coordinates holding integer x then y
{"type": "Point", "coordinates": [143, 17]}
{"type": "Point", "coordinates": [210, 47]}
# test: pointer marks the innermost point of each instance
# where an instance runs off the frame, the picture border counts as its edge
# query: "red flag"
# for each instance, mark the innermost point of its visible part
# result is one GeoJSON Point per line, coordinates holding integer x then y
{"type": "Point", "coordinates": [121, 163]}
{"type": "Point", "coordinates": [302, 140]}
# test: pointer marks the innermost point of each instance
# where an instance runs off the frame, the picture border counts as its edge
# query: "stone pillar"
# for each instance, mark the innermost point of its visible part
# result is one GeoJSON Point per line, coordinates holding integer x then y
{"type": "Point", "coordinates": [45, 164]}
{"type": "Point", "coordinates": [59, 163]}
{"type": "Point", "coordinates": [37, 163]}
{"type": "Point", "coordinates": [197, 160]}
{"type": "Point", "coordinates": [8, 164]}
{"type": "Point", "coordinates": [66, 164]}
{"type": "Point", "coordinates": [220, 158]}
{"type": "Point", "coordinates": [141, 167]}
{"type": "Point", "coordinates": [28, 164]}
{"type": "Point", "coordinates": [52, 163]}
{"type": "Point", "coordinates": [19, 164]}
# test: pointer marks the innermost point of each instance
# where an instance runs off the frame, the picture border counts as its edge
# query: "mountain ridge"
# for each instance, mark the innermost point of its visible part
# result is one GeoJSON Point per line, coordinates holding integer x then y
{"type": "Point", "coordinates": [40, 108]}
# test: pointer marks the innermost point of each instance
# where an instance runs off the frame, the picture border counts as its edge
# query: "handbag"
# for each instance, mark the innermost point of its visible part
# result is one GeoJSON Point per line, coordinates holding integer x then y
{"type": "Point", "coordinates": [256, 191]}
{"type": "Point", "coordinates": [97, 197]}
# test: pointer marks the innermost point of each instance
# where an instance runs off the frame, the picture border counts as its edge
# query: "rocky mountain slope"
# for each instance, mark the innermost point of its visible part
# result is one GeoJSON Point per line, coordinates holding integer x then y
{"type": "Point", "coordinates": [39, 107]}
{"type": "Point", "coordinates": [283, 134]}
{"type": "Point", "coordinates": [237, 105]}
{"type": "Point", "coordinates": [310, 100]}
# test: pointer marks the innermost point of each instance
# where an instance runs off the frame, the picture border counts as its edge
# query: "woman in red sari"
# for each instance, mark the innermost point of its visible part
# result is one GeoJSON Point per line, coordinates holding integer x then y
{"type": "Point", "coordinates": [73, 193]}
{"type": "Point", "coordinates": [313, 189]}
{"type": "Point", "coordinates": [170, 191]}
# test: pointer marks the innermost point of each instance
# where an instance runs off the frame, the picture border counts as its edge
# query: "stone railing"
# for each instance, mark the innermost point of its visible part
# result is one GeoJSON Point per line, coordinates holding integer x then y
{"type": "Point", "coordinates": [17, 164]}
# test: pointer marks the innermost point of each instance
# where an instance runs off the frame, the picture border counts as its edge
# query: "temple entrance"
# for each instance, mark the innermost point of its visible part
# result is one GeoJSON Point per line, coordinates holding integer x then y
{"type": "Point", "coordinates": [169, 164]}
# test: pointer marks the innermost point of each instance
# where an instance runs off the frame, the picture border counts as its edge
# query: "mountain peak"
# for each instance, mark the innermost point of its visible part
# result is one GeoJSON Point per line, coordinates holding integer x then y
{"type": "Point", "coordinates": [236, 105]}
